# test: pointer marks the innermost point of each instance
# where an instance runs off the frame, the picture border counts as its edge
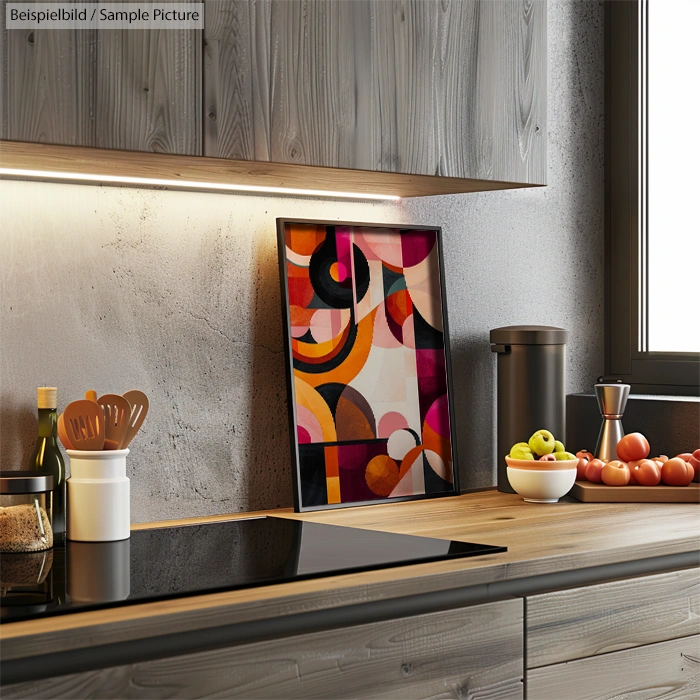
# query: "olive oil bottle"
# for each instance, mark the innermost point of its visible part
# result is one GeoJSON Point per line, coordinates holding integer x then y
{"type": "Point", "coordinates": [47, 457]}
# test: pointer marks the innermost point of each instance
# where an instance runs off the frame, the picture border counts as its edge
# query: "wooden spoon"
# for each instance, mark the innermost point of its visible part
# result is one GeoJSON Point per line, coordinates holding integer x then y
{"type": "Point", "coordinates": [117, 413]}
{"type": "Point", "coordinates": [91, 395]}
{"type": "Point", "coordinates": [62, 434]}
{"type": "Point", "coordinates": [139, 409]}
{"type": "Point", "coordinates": [85, 425]}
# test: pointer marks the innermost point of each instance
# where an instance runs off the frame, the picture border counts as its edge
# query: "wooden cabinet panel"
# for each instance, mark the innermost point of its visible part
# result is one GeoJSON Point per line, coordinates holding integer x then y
{"type": "Point", "coordinates": [581, 622]}
{"type": "Point", "coordinates": [149, 91]}
{"type": "Point", "coordinates": [668, 670]}
{"type": "Point", "coordinates": [47, 84]}
{"type": "Point", "coordinates": [121, 89]}
{"type": "Point", "coordinates": [436, 87]}
{"type": "Point", "coordinates": [469, 652]}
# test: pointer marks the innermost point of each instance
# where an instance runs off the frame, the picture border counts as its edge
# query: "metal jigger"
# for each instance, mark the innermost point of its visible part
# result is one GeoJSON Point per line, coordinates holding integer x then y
{"type": "Point", "coordinates": [612, 399]}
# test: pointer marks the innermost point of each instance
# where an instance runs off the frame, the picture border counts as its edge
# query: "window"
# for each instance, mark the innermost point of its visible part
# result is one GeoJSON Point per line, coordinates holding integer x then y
{"type": "Point", "coordinates": [652, 216]}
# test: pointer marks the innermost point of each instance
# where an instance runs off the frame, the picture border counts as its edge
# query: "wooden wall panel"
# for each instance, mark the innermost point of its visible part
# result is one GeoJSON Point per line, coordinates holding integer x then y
{"type": "Point", "coordinates": [47, 85]}
{"type": "Point", "coordinates": [471, 652]}
{"type": "Point", "coordinates": [668, 670]}
{"type": "Point", "coordinates": [122, 89]}
{"type": "Point", "coordinates": [581, 622]}
{"type": "Point", "coordinates": [148, 91]}
{"type": "Point", "coordinates": [435, 87]}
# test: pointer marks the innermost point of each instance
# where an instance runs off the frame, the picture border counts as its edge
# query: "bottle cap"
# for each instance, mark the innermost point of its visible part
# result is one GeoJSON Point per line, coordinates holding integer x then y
{"type": "Point", "coordinates": [46, 397]}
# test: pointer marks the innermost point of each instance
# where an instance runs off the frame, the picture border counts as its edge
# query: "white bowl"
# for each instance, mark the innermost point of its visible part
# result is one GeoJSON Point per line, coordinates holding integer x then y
{"type": "Point", "coordinates": [541, 485]}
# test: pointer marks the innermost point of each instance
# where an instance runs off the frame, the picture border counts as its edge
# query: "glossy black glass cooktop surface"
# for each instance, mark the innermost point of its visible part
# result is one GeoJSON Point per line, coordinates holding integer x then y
{"type": "Point", "coordinates": [170, 562]}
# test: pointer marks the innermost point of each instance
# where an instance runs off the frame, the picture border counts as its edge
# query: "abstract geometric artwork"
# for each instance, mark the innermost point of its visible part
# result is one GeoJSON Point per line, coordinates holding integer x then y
{"type": "Point", "coordinates": [367, 363]}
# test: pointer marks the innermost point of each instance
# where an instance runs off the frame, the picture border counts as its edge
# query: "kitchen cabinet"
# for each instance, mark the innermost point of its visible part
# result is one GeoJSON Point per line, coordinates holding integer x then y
{"type": "Point", "coordinates": [668, 670]}
{"type": "Point", "coordinates": [471, 652]}
{"type": "Point", "coordinates": [453, 88]}
{"type": "Point", "coordinates": [574, 639]}
{"type": "Point", "coordinates": [122, 89]}
{"type": "Point", "coordinates": [429, 96]}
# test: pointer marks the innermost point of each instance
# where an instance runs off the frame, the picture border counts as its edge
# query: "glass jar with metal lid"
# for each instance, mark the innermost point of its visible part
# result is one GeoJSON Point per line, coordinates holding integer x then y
{"type": "Point", "coordinates": [25, 511]}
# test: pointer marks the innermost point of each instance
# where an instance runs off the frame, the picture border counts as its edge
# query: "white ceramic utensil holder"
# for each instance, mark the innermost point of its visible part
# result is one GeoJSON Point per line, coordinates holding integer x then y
{"type": "Point", "coordinates": [98, 496]}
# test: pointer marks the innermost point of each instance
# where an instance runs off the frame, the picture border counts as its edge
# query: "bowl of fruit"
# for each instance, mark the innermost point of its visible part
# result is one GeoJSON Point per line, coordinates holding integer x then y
{"type": "Point", "coordinates": [541, 470]}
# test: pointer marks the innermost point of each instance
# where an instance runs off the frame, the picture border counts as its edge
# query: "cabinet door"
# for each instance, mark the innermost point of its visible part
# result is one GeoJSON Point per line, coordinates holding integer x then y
{"type": "Point", "coordinates": [667, 670]}
{"type": "Point", "coordinates": [451, 87]}
{"type": "Point", "coordinates": [474, 652]}
{"type": "Point", "coordinates": [123, 89]}
{"type": "Point", "coordinates": [591, 620]}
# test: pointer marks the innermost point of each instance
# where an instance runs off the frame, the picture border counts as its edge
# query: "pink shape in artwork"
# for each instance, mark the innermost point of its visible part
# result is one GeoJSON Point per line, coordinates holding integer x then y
{"type": "Point", "coordinates": [303, 435]}
{"type": "Point", "coordinates": [421, 243]}
{"type": "Point", "coordinates": [343, 249]}
{"type": "Point", "coordinates": [342, 272]}
{"type": "Point", "coordinates": [438, 416]}
{"type": "Point", "coordinates": [385, 245]}
{"type": "Point", "coordinates": [389, 423]}
{"type": "Point", "coordinates": [383, 337]}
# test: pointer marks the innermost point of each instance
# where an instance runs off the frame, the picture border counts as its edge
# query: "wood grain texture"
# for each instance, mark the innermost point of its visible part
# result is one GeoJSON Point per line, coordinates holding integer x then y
{"type": "Point", "coordinates": [668, 670]}
{"type": "Point", "coordinates": [48, 84]}
{"type": "Point", "coordinates": [125, 89]}
{"type": "Point", "coordinates": [471, 652]}
{"type": "Point", "coordinates": [97, 161]}
{"type": "Point", "coordinates": [149, 91]}
{"type": "Point", "coordinates": [455, 88]}
{"type": "Point", "coordinates": [587, 492]}
{"type": "Point", "coordinates": [581, 622]}
{"type": "Point", "coordinates": [541, 539]}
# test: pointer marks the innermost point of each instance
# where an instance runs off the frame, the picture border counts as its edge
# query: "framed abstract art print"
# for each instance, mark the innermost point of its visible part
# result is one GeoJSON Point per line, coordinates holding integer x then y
{"type": "Point", "coordinates": [368, 368]}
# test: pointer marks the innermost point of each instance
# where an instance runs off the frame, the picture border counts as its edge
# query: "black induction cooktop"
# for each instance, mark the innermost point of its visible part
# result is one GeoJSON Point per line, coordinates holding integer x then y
{"type": "Point", "coordinates": [170, 562]}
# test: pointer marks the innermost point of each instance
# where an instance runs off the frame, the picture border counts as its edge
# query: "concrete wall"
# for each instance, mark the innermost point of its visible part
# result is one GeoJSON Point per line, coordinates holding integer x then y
{"type": "Point", "coordinates": [177, 293]}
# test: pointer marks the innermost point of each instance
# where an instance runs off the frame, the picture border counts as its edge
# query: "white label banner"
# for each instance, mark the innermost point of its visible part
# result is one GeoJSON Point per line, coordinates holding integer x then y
{"type": "Point", "coordinates": [107, 15]}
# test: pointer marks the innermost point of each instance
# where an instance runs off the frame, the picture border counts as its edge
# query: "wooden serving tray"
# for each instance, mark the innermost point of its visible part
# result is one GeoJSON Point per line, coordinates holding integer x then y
{"type": "Point", "coordinates": [600, 493]}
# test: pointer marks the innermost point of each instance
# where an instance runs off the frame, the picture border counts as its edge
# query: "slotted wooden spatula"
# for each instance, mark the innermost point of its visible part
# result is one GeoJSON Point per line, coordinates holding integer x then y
{"type": "Point", "coordinates": [117, 413]}
{"type": "Point", "coordinates": [85, 425]}
{"type": "Point", "coordinates": [139, 409]}
{"type": "Point", "coordinates": [62, 434]}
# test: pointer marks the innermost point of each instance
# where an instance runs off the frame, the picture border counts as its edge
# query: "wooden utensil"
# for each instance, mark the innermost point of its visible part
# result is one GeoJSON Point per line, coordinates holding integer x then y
{"type": "Point", "coordinates": [85, 425]}
{"type": "Point", "coordinates": [117, 413]}
{"type": "Point", "coordinates": [91, 395]}
{"type": "Point", "coordinates": [62, 434]}
{"type": "Point", "coordinates": [139, 409]}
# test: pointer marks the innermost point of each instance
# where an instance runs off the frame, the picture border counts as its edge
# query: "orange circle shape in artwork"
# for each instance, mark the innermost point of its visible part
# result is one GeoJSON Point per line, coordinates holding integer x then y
{"type": "Point", "coordinates": [382, 475]}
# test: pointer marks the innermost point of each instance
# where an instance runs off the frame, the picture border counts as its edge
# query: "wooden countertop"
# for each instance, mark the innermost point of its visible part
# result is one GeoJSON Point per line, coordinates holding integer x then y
{"type": "Point", "coordinates": [541, 539]}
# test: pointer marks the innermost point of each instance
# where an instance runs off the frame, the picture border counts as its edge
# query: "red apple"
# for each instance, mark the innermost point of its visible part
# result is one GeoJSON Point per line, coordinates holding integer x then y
{"type": "Point", "coordinates": [548, 458]}
{"type": "Point", "coordinates": [633, 446]}
{"type": "Point", "coordinates": [676, 472]}
{"type": "Point", "coordinates": [633, 466]}
{"type": "Point", "coordinates": [695, 464]}
{"type": "Point", "coordinates": [646, 473]}
{"type": "Point", "coordinates": [593, 471]}
{"type": "Point", "coordinates": [581, 469]}
{"type": "Point", "coordinates": [616, 473]}
{"type": "Point", "coordinates": [585, 454]}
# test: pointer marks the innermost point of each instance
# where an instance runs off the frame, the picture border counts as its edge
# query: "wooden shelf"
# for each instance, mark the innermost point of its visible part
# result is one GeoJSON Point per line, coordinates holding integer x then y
{"type": "Point", "coordinates": [53, 163]}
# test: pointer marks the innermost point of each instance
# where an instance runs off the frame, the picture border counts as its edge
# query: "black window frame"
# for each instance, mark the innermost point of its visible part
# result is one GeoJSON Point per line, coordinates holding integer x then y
{"type": "Point", "coordinates": [646, 372]}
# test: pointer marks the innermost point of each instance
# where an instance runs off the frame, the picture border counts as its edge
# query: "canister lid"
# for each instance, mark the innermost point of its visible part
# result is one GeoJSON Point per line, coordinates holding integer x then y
{"type": "Point", "coordinates": [529, 335]}
{"type": "Point", "coordinates": [15, 482]}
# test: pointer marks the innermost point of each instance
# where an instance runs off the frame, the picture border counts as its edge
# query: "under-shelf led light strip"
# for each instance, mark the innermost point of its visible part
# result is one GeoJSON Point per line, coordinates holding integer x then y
{"type": "Point", "coordinates": [186, 184]}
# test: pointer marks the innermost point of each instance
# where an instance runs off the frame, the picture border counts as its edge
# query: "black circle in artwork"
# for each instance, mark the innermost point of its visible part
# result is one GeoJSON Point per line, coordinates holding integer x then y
{"type": "Point", "coordinates": [338, 295]}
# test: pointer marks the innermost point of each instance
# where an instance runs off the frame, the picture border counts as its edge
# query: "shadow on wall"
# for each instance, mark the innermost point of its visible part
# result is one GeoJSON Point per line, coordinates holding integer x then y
{"type": "Point", "coordinates": [18, 431]}
{"type": "Point", "coordinates": [473, 387]}
{"type": "Point", "coordinates": [269, 471]}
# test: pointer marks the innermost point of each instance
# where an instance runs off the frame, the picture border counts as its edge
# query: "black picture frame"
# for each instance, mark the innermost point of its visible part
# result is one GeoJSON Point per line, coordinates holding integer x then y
{"type": "Point", "coordinates": [289, 362]}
